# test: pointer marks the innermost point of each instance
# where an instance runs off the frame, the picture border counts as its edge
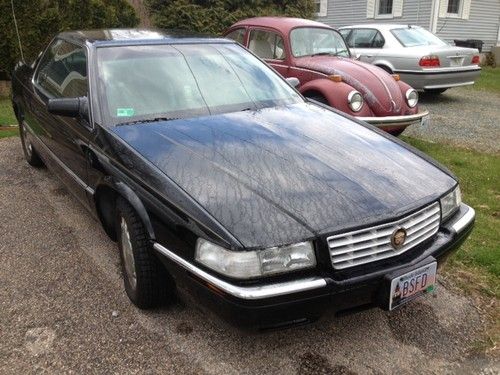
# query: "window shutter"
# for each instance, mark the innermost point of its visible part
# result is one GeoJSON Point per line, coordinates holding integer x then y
{"type": "Point", "coordinates": [370, 9]}
{"type": "Point", "coordinates": [323, 8]}
{"type": "Point", "coordinates": [443, 8]}
{"type": "Point", "coordinates": [466, 9]}
{"type": "Point", "coordinates": [397, 8]}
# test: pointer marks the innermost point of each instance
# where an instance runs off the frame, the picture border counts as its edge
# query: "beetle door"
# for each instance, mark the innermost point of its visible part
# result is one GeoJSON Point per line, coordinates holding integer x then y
{"type": "Point", "coordinates": [63, 74]}
{"type": "Point", "coordinates": [269, 46]}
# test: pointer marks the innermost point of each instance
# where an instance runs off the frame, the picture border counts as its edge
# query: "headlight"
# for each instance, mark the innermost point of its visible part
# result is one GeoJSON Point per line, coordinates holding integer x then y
{"type": "Point", "coordinates": [412, 98]}
{"type": "Point", "coordinates": [355, 101]}
{"type": "Point", "coordinates": [247, 264]}
{"type": "Point", "coordinates": [450, 202]}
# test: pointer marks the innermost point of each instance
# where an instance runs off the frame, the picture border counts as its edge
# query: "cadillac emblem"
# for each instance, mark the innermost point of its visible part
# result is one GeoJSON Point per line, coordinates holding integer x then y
{"type": "Point", "coordinates": [398, 238]}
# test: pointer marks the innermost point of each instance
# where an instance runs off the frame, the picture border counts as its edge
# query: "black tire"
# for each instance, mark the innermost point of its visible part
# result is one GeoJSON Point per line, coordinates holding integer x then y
{"type": "Point", "coordinates": [152, 286]}
{"type": "Point", "coordinates": [29, 151]}
{"type": "Point", "coordinates": [398, 132]}
{"type": "Point", "coordinates": [435, 92]}
{"type": "Point", "coordinates": [318, 97]}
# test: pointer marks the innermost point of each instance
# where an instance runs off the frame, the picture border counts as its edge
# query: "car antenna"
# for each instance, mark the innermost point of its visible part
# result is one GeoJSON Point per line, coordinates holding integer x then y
{"type": "Point", "coordinates": [17, 30]}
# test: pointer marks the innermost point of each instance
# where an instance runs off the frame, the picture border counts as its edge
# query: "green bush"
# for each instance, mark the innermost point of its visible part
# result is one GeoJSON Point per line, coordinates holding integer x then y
{"type": "Point", "coordinates": [40, 20]}
{"type": "Point", "coordinates": [214, 16]}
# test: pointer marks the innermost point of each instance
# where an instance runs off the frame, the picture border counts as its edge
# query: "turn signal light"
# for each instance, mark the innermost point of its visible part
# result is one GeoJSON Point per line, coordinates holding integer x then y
{"type": "Point", "coordinates": [475, 59]}
{"type": "Point", "coordinates": [429, 61]}
{"type": "Point", "coordinates": [335, 78]}
{"type": "Point", "coordinates": [396, 77]}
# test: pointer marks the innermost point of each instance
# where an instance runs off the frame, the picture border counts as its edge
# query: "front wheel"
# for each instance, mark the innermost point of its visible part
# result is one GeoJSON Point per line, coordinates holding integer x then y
{"type": "Point", "coordinates": [29, 151]}
{"type": "Point", "coordinates": [147, 283]}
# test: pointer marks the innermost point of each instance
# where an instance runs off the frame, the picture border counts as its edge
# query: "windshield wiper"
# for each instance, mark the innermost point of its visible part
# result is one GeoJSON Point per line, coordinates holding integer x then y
{"type": "Point", "coordinates": [148, 120]}
{"type": "Point", "coordinates": [322, 54]}
{"type": "Point", "coordinates": [339, 52]}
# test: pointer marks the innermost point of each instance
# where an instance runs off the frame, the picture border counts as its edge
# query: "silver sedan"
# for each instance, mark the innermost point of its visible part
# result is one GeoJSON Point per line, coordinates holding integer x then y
{"type": "Point", "coordinates": [422, 60]}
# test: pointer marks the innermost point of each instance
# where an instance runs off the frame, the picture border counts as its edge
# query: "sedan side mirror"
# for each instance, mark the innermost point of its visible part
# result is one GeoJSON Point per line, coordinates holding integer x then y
{"type": "Point", "coordinates": [69, 107]}
{"type": "Point", "coordinates": [293, 81]}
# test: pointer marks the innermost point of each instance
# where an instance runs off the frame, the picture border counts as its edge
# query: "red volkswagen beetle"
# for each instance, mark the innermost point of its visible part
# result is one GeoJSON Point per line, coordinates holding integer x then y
{"type": "Point", "coordinates": [319, 58]}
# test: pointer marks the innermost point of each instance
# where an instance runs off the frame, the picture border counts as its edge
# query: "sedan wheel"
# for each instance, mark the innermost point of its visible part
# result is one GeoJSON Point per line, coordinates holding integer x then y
{"type": "Point", "coordinates": [29, 151]}
{"type": "Point", "coordinates": [146, 281]}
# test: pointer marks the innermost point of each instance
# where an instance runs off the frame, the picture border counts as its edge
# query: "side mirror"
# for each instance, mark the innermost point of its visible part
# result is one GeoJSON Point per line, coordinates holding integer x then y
{"type": "Point", "coordinates": [293, 81]}
{"type": "Point", "coordinates": [69, 107]}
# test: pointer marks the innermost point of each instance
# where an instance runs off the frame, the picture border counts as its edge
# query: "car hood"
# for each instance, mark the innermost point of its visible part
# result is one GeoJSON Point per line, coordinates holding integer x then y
{"type": "Point", "coordinates": [281, 175]}
{"type": "Point", "coordinates": [379, 89]}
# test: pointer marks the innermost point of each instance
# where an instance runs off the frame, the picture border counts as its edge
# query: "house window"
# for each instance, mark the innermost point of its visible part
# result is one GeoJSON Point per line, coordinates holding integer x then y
{"type": "Point", "coordinates": [321, 7]}
{"type": "Point", "coordinates": [453, 6]}
{"type": "Point", "coordinates": [385, 7]}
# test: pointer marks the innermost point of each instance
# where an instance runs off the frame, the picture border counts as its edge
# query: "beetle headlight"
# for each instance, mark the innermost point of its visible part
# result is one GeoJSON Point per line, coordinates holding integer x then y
{"type": "Point", "coordinates": [450, 202]}
{"type": "Point", "coordinates": [412, 98]}
{"type": "Point", "coordinates": [355, 101]}
{"type": "Point", "coordinates": [247, 264]}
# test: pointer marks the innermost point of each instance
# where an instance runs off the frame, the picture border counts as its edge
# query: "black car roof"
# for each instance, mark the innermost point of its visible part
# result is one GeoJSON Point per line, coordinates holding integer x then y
{"type": "Point", "coordinates": [137, 36]}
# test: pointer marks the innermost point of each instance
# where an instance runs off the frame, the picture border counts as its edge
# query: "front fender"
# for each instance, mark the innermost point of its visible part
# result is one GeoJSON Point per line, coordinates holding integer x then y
{"type": "Point", "coordinates": [335, 93]}
{"type": "Point", "coordinates": [106, 214]}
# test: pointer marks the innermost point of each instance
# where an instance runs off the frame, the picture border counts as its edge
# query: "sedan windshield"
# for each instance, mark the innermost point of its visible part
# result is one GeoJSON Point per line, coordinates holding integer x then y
{"type": "Point", "coordinates": [141, 83]}
{"type": "Point", "coordinates": [412, 37]}
{"type": "Point", "coordinates": [311, 41]}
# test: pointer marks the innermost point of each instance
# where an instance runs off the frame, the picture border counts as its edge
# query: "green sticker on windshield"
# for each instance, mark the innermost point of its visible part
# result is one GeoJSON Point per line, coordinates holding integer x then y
{"type": "Point", "coordinates": [125, 112]}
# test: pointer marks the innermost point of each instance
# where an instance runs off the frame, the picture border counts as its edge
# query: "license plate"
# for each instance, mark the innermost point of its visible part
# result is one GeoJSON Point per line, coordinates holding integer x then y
{"type": "Point", "coordinates": [425, 121]}
{"type": "Point", "coordinates": [457, 61]}
{"type": "Point", "coordinates": [413, 284]}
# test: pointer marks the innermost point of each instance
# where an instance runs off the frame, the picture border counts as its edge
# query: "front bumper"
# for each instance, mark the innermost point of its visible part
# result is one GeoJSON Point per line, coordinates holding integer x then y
{"type": "Point", "coordinates": [305, 300]}
{"type": "Point", "coordinates": [389, 123]}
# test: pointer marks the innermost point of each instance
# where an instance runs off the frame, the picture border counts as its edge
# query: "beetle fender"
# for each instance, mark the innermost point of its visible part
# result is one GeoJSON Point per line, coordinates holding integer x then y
{"type": "Point", "coordinates": [106, 209]}
{"type": "Point", "coordinates": [335, 93]}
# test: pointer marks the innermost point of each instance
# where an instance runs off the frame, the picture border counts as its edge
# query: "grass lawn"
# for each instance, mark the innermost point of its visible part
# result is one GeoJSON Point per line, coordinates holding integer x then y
{"type": "Point", "coordinates": [477, 263]}
{"type": "Point", "coordinates": [6, 113]}
{"type": "Point", "coordinates": [489, 80]}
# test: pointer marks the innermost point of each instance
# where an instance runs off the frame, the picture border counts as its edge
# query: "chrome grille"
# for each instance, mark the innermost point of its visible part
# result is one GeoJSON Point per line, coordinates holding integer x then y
{"type": "Point", "coordinates": [372, 244]}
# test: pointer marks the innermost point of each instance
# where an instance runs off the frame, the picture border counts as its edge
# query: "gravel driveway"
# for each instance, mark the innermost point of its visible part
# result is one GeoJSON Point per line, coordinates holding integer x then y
{"type": "Point", "coordinates": [63, 309]}
{"type": "Point", "coordinates": [463, 117]}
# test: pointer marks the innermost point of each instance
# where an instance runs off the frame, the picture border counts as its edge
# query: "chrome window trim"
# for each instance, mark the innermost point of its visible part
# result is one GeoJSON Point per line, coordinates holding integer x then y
{"type": "Point", "coordinates": [245, 292]}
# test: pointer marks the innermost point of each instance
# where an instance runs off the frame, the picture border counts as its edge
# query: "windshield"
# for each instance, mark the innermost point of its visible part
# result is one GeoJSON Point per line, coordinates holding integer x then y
{"type": "Point", "coordinates": [411, 37]}
{"type": "Point", "coordinates": [138, 83]}
{"type": "Point", "coordinates": [310, 41]}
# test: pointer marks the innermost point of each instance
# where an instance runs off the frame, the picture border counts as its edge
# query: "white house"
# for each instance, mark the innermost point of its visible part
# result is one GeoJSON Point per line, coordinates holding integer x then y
{"type": "Point", "coordinates": [449, 19]}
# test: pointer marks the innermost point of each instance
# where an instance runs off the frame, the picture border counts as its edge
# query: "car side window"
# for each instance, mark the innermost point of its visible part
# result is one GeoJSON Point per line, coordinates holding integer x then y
{"type": "Point", "coordinates": [363, 38]}
{"type": "Point", "coordinates": [345, 33]}
{"type": "Point", "coordinates": [378, 41]}
{"type": "Point", "coordinates": [237, 35]}
{"type": "Point", "coordinates": [266, 45]}
{"type": "Point", "coordinates": [63, 71]}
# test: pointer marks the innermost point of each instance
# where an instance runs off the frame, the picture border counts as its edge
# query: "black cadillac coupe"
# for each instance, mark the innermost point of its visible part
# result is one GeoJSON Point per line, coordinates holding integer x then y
{"type": "Point", "coordinates": [217, 178]}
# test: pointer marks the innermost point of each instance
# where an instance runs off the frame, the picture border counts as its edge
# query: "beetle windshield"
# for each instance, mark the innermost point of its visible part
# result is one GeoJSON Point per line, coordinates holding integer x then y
{"type": "Point", "coordinates": [140, 83]}
{"type": "Point", "coordinates": [310, 41]}
{"type": "Point", "coordinates": [412, 37]}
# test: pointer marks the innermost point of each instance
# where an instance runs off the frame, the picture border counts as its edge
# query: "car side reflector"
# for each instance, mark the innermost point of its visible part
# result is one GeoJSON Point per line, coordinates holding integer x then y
{"type": "Point", "coordinates": [396, 77]}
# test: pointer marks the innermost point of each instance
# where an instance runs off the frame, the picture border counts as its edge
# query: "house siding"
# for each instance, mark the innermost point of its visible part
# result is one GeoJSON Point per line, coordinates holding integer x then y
{"type": "Point", "coordinates": [483, 23]}
{"type": "Point", "coordinates": [348, 12]}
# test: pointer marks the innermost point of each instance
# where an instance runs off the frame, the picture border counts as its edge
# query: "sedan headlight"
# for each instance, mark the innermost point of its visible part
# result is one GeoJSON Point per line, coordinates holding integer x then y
{"type": "Point", "coordinates": [450, 202]}
{"type": "Point", "coordinates": [412, 98]}
{"type": "Point", "coordinates": [247, 264]}
{"type": "Point", "coordinates": [355, 101]}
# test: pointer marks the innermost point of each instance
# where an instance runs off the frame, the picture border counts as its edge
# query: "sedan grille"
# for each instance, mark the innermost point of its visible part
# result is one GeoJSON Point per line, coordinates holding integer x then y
{"type": "Point", "coordinates": [375, 243]}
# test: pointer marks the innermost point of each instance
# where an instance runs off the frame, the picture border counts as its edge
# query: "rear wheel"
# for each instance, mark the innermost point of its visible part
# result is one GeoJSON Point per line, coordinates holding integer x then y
{"type": "Point", "coordinates": [435, 91]}
{"type": "Point", "coordinates": [146, 281]}
{"type": "Point", "coordinates": [29, 151]}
